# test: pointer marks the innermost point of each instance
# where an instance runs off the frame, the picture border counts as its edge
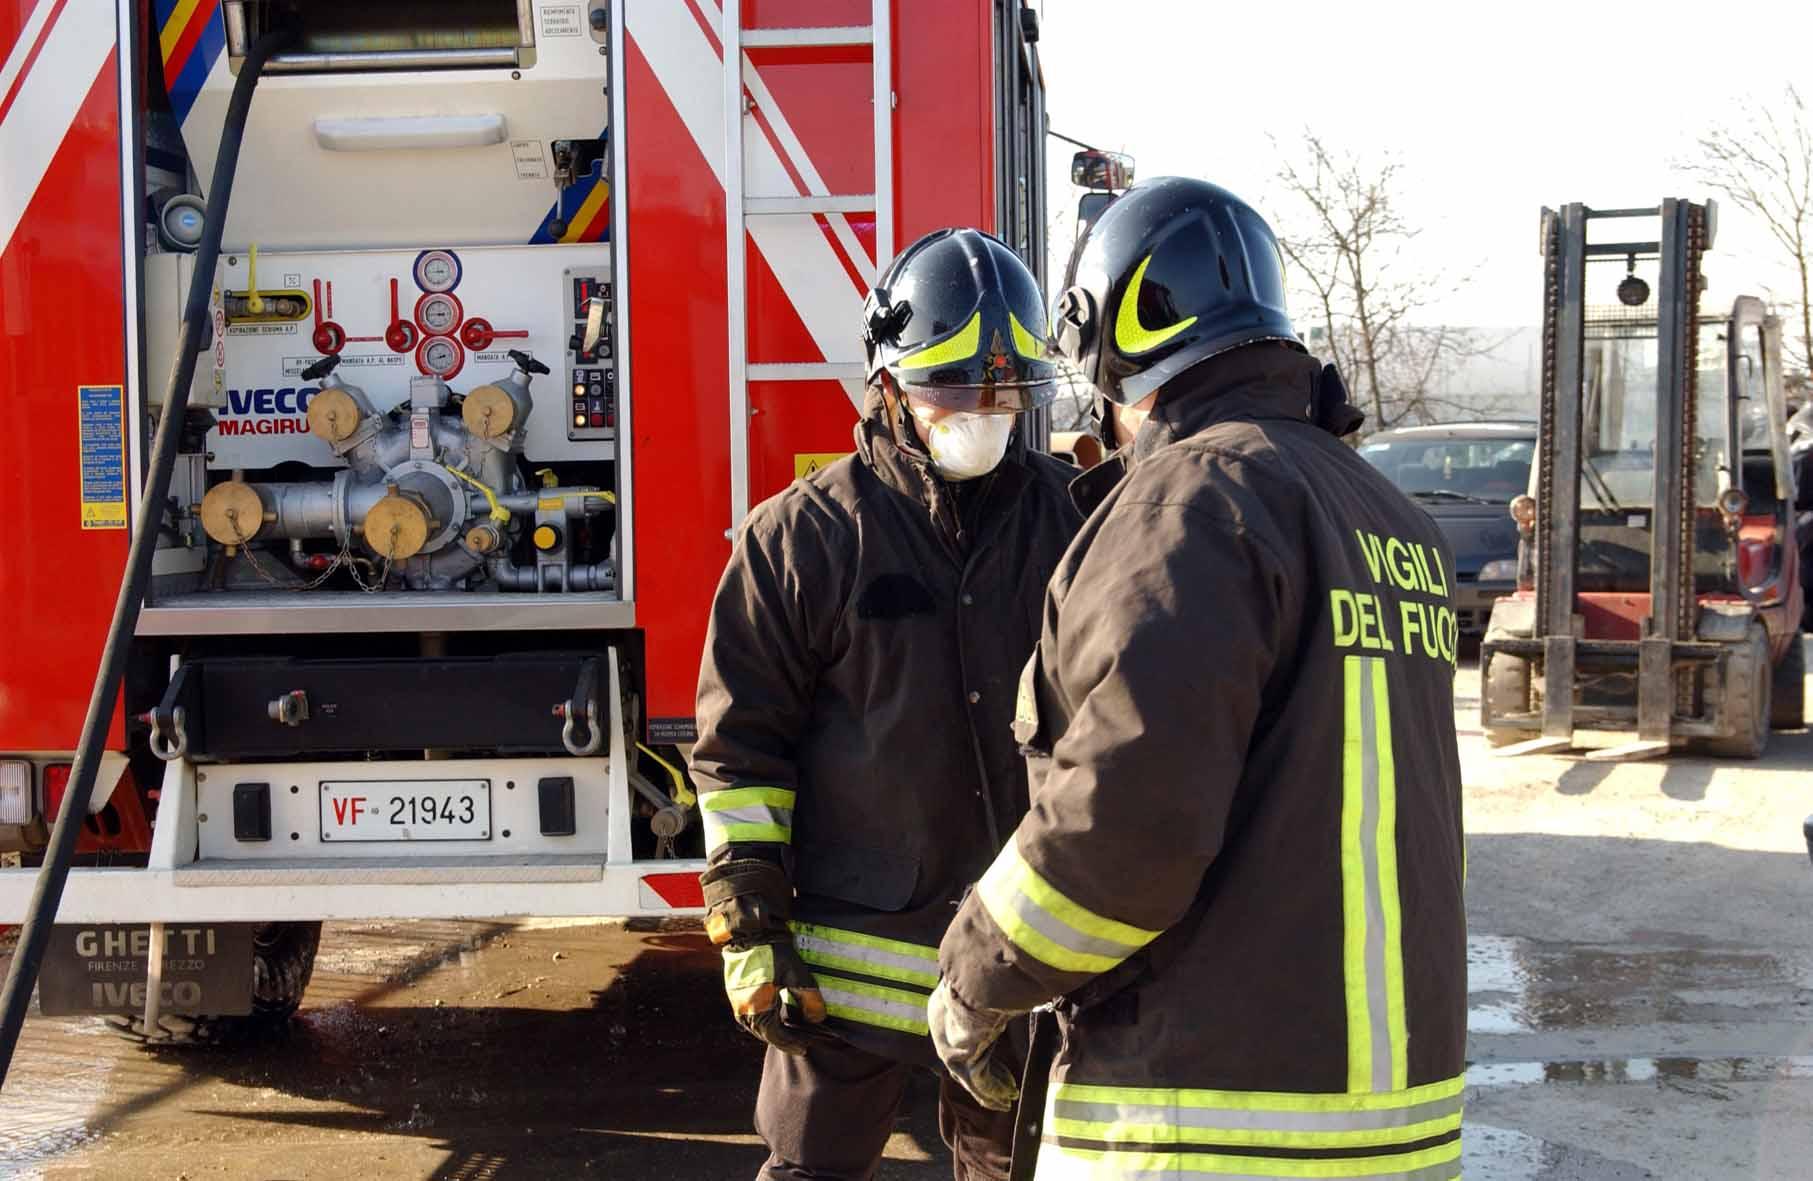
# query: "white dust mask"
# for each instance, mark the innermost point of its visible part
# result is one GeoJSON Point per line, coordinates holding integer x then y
{"type": "Point", "coordinates": [966, 445]}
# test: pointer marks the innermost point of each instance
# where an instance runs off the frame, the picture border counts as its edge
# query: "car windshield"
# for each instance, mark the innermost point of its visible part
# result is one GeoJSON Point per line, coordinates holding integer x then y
{"type": "Point", "coordinates": [1479, 470]}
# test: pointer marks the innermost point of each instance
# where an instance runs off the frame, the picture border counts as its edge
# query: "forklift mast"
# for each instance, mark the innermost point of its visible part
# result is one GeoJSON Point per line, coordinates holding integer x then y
{"type": "Point", "coordinates": [1686, 232]}
{"type": "Point", "coordinates": [1653, 592]}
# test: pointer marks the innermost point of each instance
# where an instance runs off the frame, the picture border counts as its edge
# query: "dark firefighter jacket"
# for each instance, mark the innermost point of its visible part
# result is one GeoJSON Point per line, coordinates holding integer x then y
{"type": "Point", "coordinates": [1246, 810]}
{"type": "Point", "coordinates": [856, 701]}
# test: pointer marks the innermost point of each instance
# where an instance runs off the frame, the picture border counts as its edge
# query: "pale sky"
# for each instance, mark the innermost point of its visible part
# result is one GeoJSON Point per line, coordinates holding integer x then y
{"type": "Point", "coordinates": [1493, 109]}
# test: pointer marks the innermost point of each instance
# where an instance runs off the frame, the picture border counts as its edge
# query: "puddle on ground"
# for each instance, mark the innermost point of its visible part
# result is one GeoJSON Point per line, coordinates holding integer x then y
{"type": "Point", "coordinates": [462, 1034]}
{"type": "Point", "coordinates": [1641, 1070]}
{"type": "Point", "coordinates": [39, 1123]}
{"type": "Point", "coordinates": [1501, 1154]}
{"type": "Point", "coordinates": [1522, 986]}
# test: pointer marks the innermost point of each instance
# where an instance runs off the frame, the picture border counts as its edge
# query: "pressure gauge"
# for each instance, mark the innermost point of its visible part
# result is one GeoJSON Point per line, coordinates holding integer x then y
{"type": "Point", "coordinates": [440, 356]}
{"type": "Point", "coordinates": [437, 270]}
{"type": "Point", "coordinates": [438, 313]}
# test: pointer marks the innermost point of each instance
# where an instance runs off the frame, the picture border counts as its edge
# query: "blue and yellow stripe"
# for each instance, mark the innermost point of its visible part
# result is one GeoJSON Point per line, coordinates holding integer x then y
{"type": "Point", "coordinates": [584, 208]}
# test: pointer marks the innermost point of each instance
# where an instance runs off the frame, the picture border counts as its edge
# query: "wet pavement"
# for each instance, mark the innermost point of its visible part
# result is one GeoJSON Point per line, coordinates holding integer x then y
{"type": "Point", "coordinates": [1641, 977]}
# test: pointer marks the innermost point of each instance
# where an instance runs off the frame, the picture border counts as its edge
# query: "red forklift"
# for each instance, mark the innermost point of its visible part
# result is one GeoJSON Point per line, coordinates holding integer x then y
{"type": "Point", "coordinates": [1658, 587]}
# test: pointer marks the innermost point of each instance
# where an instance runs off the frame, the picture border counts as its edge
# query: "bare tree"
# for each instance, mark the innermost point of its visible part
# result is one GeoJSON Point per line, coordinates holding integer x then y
{"type": "Point", "coordinates": [1763, 163]}
{"type": "Point", "coordinates": [1345, 237]}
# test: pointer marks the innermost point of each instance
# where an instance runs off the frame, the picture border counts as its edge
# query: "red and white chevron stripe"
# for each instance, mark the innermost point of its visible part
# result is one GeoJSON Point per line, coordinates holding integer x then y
{"type": "Point", "coordinates": [53, 61]}
{"type": "Point", "coordinates": [822, 266]}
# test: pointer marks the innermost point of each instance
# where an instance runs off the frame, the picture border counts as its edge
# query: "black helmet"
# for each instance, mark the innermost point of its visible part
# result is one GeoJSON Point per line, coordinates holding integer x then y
{"type": "Point", "coordinates": [1171, 273]}
{"type": "Point", "coordinates": [959, 322]}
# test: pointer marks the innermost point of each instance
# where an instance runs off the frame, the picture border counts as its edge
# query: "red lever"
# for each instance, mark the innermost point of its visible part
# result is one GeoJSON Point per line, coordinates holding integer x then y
{"type": "Point", "coordinates": [477, 334]}
{"type": "Point", "coordinates": [329, 337]}
{"type": "Point", "coordinates": [401, 335]}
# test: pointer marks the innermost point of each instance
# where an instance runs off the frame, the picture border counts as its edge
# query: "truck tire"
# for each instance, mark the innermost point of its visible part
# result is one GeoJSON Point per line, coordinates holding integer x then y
{"type": "Point", "coordinates": [1788, 701]}
{"type": "Point", "coordinates": [1507, 690]}
{"type": "Point", "coordinates": [283, 959]}
{"type": "Point", "coordinates": [1749, 685]}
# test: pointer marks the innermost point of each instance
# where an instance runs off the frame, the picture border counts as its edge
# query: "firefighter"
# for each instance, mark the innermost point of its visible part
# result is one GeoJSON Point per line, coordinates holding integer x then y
{"type": "Point", "coordinates": [1242, 867]}
{"type": "Point", "coordinates": [855, 763]}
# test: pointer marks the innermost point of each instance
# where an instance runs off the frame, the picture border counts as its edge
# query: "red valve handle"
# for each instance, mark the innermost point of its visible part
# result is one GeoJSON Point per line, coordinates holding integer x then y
{"type": "Point", "coordinates": [329, 337]}
{"type": "Point", "coordinates": [478, 335]}
{"type": "Point", "coordinates": [400, 335]}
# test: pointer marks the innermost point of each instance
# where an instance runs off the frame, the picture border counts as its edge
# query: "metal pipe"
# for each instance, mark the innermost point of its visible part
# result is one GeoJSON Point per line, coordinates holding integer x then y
{"type": "Point", "coordinates": [510, 576]}
{"type": "Point", "coordinates": [47, 892]}
{"type": "Point", "coordinates": [415, 59]}
{"type": "Point", "coordinates": [579, 501]}
{"type": "Point", "coordinates": [599, 576]}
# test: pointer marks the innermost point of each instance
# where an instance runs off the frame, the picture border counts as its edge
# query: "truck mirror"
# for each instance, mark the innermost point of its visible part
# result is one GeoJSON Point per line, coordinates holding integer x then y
{"type": "Point", "coordinates": [1093, 169]}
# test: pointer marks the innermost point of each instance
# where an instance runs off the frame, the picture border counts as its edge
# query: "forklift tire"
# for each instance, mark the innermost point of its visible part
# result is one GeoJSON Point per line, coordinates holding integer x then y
{"type": "Point", "coordinates": [1507, 691]}
{"type": "Point", "coordinates": [1750, 701]}
{"type": "Point", "coordinates": [1788, 703]}
{"type": "Point", "coordinates": [283, 959]}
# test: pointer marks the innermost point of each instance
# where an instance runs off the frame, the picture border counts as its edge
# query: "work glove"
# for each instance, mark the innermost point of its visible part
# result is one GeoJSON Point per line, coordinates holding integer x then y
{"type": "Point", "coordinates": [773, 995]}
{"type": "Point", "coordinates": [968, 1041]}
{"type": "Point", "coordinates": [772, 992]}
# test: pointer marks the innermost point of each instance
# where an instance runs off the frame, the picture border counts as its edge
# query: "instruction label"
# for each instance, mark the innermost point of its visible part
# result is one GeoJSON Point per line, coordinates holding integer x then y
{"type": "Point", "coordinates": [561, 20]}
{"type": "Point", "coordinates": [531, 162]}
{"type": "Point", "coordinates": [293, 366]}
{"type": "Point", "coordinates": [102, 432]}
{"type": "Point", "coordinates": [807, 462]}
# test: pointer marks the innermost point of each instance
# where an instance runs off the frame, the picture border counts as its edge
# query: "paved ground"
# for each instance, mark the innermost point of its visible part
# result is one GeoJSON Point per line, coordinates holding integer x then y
{"type": "Point", "coordinates": [1642, 976]}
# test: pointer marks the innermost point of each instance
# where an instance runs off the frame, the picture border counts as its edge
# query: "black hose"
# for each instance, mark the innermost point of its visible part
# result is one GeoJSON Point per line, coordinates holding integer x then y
{"type": "Point", "coordinates": [22, 976]}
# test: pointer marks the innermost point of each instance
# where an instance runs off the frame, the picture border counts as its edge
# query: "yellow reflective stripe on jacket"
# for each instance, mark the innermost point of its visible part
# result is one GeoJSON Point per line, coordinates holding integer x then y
{"type": "Point", "coordinates": [871, 1004]}
{"type": "Point", "coordinates": [1372, 918]}
{"type": "Point", "coordinates": [746, 814]}
{"type": "Point", "coordinates": [1050, 927]}
{"type": "Point", "coordinates": [961, 347]}
{"type": "Point", "coordinates": [1144, 1115]}
{"type": "Point", "coordinates": [1059, 1162]}
{"type": "Point", "coordinates": [871, 955]}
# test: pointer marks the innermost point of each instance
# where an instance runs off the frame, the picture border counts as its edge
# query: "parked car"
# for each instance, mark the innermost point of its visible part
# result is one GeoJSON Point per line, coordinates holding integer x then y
{"type": "Point", "coordinates": [1464, 475]}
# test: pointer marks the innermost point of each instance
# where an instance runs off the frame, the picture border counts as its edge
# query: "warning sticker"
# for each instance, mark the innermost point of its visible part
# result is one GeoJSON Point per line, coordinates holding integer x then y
{"type": "Point", "coordinates": [560, 20]}
{"type": "Point", "coordinates": [102, 432]}
{"type": "Point", "coordinates": [807, 462]}
{"type": "Point", "coordinates": [531, 162]}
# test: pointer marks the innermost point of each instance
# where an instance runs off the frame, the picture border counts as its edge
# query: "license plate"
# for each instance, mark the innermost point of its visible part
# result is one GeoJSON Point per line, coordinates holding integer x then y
{"type": "Point", "coordinates": [406, 810]}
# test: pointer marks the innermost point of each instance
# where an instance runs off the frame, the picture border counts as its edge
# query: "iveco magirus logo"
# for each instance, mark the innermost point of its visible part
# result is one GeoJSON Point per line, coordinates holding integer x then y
{"type": "Point", "coordinates": [277, 410]}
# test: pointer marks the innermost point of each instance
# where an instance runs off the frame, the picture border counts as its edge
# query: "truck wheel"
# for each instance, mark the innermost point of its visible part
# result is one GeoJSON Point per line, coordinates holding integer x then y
{"type": "Point", "coordinates": [1507, 690]}
{"type": "Point", "coordinates": [1788, 703]}
{"type": "Point", "coordinates": [1748, 687]}
{"type": "Point", "coordinates": [283, 959]}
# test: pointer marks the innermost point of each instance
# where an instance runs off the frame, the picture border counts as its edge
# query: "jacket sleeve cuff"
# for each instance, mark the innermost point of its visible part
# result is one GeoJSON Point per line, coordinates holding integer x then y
{"type": "Point", "coordinates": [986, 971]}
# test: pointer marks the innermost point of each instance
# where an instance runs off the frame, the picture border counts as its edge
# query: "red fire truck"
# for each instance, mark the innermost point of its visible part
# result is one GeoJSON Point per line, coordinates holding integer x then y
{"type": "Point", "coordinates": [520, 305]}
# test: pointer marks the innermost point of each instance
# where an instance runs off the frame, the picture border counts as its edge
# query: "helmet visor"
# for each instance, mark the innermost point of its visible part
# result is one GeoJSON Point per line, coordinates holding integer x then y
{"type": "Point", "coordinates": [985, 398]}
{"type": "Point", "coordinates": [1005, 368]}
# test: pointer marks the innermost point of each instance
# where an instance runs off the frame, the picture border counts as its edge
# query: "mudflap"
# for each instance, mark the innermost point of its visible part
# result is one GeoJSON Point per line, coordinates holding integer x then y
{"type": "Point", "coordinates": [104, 968]}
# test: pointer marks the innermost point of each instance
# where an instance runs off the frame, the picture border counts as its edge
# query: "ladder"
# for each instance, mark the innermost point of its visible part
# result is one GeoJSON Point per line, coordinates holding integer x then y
{"type": "Point", "coordinates": [740, 81]}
